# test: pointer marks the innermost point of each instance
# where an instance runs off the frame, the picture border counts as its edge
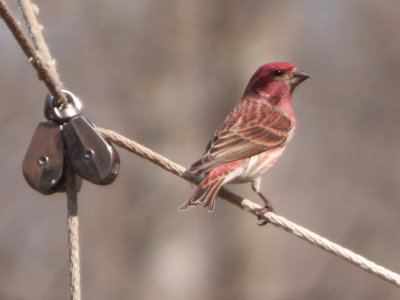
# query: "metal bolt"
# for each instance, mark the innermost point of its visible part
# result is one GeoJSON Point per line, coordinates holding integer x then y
{"type": "Point", "coordinates": [43, 160]}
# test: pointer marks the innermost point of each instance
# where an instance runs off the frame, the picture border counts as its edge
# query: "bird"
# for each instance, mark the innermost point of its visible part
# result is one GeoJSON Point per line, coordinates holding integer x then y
{"type": "Point", "coordinates": [252, 137]}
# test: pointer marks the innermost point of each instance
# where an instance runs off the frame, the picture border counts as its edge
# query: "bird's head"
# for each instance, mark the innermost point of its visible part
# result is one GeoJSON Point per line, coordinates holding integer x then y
{"type": "Point", "coordinates": [275, 80]}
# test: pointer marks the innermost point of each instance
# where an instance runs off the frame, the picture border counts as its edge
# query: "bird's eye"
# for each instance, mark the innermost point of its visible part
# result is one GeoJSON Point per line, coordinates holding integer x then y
{"type": "Point", "coordinates": [278, 73]}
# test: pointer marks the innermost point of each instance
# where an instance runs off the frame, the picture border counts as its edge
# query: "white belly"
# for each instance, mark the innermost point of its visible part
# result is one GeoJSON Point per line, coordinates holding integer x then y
{"type": "Point", "coordinates": [256, 166]}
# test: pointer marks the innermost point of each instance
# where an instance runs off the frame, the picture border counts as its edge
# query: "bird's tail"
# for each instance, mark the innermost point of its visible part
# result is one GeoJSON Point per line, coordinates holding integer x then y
{"type": "Point", "coordinates": [205, 194]}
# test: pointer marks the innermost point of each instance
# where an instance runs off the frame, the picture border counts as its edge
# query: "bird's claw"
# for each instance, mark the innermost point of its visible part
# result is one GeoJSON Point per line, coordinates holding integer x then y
{"type": "Point", "coordinates": [260, 212]}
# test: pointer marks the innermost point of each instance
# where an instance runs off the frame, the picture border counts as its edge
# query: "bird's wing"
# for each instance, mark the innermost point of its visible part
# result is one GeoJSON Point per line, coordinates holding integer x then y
{"type": "Point", "coordinates": [247, 131]}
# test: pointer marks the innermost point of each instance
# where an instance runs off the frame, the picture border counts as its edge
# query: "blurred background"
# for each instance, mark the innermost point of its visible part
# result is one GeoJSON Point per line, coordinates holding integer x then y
{"type": "Point", "coordinates": [166, 73]}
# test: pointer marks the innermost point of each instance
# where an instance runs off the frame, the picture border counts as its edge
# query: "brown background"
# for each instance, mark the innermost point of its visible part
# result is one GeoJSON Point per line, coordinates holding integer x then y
{"type": "Point", "coordinates": [166, 73]}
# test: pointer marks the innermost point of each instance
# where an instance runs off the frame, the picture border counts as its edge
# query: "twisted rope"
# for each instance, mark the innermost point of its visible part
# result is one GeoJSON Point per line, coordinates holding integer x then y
{"type": "Point", "coordinates": [252, 207]}
{"type": "Point", "coordinates": [73, 233]}
{"type": "Point", "coordinates": [41, 59]}
{"type": "Point", "coordinates": [29, 12]}
{"type": "Point", "coordinates": [31, 53]}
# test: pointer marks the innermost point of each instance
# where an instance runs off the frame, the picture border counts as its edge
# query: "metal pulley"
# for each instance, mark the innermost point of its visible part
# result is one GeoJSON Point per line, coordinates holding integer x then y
{"type": "Point", "coordinates": [91, 156]}
{"type": "Point", "coordinates": [67, 135]}
{"type": "Point", "coordinates": [43, 165]}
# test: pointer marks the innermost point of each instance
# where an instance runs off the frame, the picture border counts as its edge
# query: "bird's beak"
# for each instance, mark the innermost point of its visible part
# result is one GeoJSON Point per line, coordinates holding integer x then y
{"type": "Point", "coordinates": [298, 76]}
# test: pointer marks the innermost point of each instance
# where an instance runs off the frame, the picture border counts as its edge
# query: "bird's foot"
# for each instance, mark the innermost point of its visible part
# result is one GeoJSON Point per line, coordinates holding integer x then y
{"type": "Point", "coordinates": [260, 212]}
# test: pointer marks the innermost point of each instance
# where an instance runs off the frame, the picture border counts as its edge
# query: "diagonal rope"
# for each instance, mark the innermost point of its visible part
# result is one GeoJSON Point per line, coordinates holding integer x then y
{"type": "Point", "coordinates": [29, 12]}
{"type": "Point", "coordinates": [180, 171]}
{"type": "Point", "coordinates": [31, 53]}
{"type": "Point", "coordinates": [251, 207]}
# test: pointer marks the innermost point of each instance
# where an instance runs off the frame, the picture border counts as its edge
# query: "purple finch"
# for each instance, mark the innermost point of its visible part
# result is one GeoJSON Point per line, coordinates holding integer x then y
{"type": "Point", "coordinates": [253, 136]}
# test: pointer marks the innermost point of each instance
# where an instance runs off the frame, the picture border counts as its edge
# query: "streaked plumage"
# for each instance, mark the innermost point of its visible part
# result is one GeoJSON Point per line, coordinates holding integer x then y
{"type": "Point", "coordinates": [252, 137]}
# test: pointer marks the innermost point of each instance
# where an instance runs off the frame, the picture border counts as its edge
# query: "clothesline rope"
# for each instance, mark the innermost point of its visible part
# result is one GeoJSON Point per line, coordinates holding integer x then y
{"type": "Point", "coordinates": [252, 207]}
